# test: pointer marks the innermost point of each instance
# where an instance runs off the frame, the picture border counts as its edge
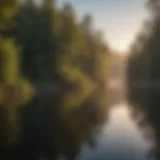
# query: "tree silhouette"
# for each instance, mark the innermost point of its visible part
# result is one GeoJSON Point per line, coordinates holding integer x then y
{"type": "Point", "coordinates": [143, 77]}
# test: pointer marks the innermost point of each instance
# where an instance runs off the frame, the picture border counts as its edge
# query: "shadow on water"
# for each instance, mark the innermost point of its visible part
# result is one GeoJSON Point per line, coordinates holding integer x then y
{"type": "Point", "coordinates": [120, 139]}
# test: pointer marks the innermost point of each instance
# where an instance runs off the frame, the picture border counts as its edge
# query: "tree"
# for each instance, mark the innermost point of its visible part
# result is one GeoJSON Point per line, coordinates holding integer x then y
{"type": "Point", "coordinates": [56, 49]}
{"type": "Point", "coordinates": [143, 76]}
{"type": "Point", "coordinates": [11, 81]}
{"type": "Point", "coordinates": [87, 23]}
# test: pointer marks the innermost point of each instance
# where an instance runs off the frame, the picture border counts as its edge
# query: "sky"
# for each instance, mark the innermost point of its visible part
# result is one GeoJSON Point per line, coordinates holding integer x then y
{"type": "Point", "coordinates": [120, 20]}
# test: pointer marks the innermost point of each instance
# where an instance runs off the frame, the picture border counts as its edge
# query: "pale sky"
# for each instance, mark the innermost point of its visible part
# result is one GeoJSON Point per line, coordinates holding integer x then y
{"type": "Point", "coordinates": [120, 20]}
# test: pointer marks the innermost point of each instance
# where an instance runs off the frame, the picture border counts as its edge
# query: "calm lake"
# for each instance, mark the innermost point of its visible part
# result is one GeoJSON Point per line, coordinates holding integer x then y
{"type": "Point", "coordinates": [120, 139]}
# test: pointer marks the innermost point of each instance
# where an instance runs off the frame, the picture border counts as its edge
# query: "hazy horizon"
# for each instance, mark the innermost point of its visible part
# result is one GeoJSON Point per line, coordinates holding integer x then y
{"type": "Point", "coordinates": [119, 20]}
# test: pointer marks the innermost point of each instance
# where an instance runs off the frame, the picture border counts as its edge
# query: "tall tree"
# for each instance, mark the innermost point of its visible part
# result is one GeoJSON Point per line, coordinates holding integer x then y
{"type": "Point", "coordinates": [56, 48]}
{"type": "Point", "coordinates": [143, 76]}
{"type": "Point", "coordinates": [11, 81]}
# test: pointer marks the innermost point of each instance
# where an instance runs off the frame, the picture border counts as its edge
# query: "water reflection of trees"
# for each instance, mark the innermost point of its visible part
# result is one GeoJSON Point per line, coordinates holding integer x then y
{"type": "Point", "coordinates": [57, 49]}
{"type": "Point", "coordinates": [116, 74]}
{"type": "Point", "coordinates": [143, 79]}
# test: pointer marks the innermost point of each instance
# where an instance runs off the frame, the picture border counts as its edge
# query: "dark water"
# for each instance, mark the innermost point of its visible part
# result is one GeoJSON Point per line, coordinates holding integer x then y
{"type": "Point", "coordinates": [120, 140]}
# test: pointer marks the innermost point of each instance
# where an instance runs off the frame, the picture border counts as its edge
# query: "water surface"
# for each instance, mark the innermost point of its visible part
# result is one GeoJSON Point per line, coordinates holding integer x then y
{"type": "Point", "coordinates": [120, 139]}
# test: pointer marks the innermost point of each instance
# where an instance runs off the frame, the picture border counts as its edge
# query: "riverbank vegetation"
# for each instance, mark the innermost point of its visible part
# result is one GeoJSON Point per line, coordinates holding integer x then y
{"type": "Point", "coordinates": [143, 77]}
{"type": "Point", "coordinates": [50, 45]}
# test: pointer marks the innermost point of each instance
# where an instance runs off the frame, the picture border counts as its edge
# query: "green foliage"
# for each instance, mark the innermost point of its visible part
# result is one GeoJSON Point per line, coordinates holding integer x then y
{"type": "Point", "coordinates": [10, 78]}
{"type": "Point", "coordinates": [56, 48]}
{"type": "Point", "coordinates": [8, 9]}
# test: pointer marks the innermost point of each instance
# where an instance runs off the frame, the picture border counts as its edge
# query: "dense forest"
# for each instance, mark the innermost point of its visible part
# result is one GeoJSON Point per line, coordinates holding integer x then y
{"type": "Point", "coordinates": [143, 76]}
{"type": "Point", "coordinates": [52, 80]}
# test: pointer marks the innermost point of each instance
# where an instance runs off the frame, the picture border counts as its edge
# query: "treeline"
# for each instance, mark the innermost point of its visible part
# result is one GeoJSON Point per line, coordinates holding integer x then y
{"type": "Point", "coordinates": [143, 77]}
{"type": "Point", "coordinates": [49, 45]}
